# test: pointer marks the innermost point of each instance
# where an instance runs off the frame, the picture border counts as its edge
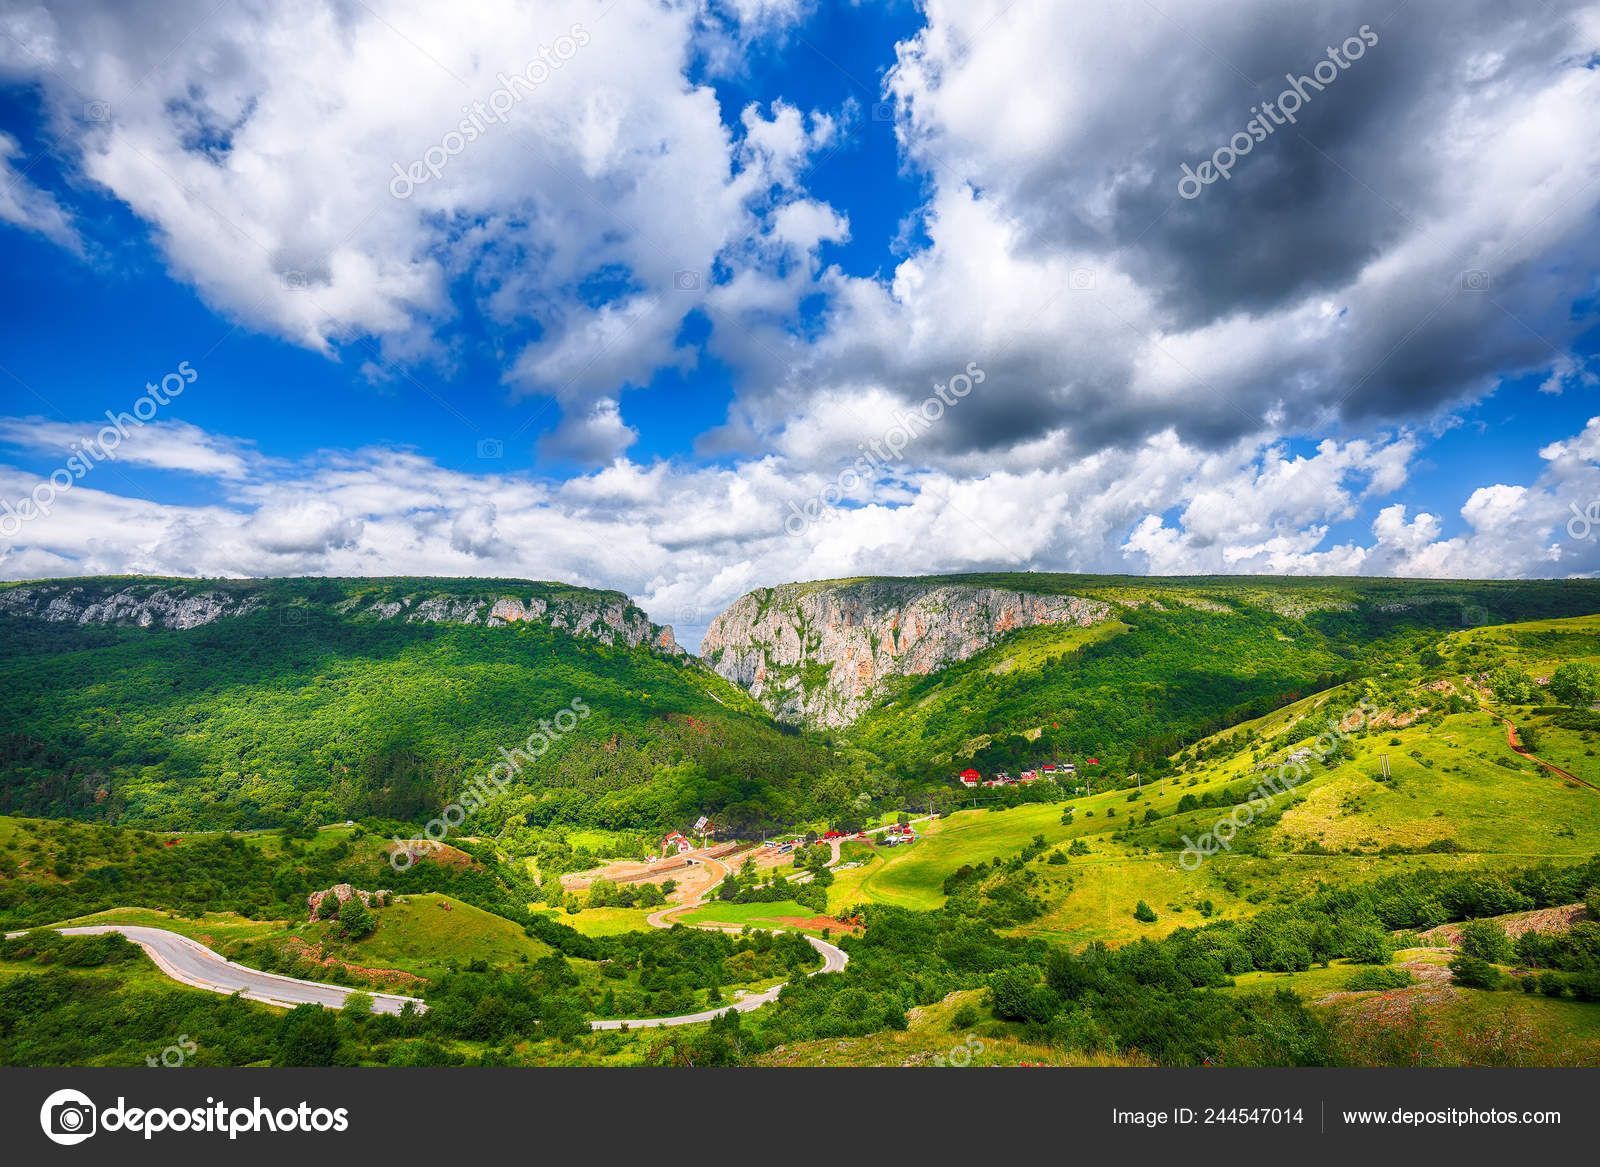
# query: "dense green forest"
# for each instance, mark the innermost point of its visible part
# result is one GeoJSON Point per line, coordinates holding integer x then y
{"type": "Point", "coordinates": [258, 720]}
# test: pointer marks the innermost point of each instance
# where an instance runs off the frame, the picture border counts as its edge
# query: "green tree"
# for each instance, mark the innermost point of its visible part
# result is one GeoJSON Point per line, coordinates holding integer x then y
{"type": "Point", "coordinates": [1144, 913]}
{"type": "Point", "coordinates": [1575, 684]}
{"type": "Point", "coordinates": [1511, 684]}
{"type": "Point", "coordinates": [308, 1036]}
{"type": "Point", "coordinates": [355, 919]}
{"type": "Point", "coordinates": [358, 1005]}
{"type": "Point", "coordinates": [1486, 940]}
{"type": "Point", "coordinates": [1474, 973]}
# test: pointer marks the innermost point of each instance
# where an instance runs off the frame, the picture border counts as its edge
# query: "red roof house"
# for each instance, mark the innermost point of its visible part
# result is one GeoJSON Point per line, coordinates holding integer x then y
{"type": "Point", "coordinates": [675, 842]}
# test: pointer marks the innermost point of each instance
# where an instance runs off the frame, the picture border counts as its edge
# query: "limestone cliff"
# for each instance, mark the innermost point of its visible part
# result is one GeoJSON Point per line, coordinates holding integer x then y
{"type": "Point", "coordinates": [608, 617]}
{"type": "Point", "coordinates": [819, 654]}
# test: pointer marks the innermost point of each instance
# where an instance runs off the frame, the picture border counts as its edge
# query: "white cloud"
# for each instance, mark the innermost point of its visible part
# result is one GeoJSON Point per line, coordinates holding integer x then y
{"type": "Point", "coordinates": [263, 153]}
{"type": "Point", "coordinates": [22, 204]}
{"type": "Point", "coordinates": [164, 445]}
{"type": "Point", "coordinates": [1150, 362]}
{"type": "Point", "coordinates": [1323, 286]}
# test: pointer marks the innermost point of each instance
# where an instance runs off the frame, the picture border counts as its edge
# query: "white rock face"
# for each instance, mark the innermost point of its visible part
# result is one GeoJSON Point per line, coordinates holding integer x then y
{"type": "Point", "coordinates": [604, 616]}
{"type": "Point", "coordinates": [141, 607]}
{"type": "Point", "coordinates": [510, 610]}
{"type": "Point", "coordinates": [821, 655]}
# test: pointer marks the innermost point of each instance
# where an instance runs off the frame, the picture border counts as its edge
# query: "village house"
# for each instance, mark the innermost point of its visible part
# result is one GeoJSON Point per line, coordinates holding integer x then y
{"type": "Point", "coordinates": [675, 844]}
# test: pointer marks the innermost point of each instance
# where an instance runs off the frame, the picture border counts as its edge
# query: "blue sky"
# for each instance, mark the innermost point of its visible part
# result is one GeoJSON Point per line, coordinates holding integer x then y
{"type": "Point", "coordinates": [713, 251]}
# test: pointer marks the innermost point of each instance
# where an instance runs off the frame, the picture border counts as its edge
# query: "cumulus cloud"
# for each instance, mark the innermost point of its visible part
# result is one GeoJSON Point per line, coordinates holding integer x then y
{"type": "Point", "coordinates": [1382, 261]}
{"type": "Point", "coordinates": [267, 155]}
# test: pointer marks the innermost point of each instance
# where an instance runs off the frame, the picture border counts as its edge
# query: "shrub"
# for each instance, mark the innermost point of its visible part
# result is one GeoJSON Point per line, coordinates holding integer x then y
{"type": "Point", "coordinates": [1585, 986]}
{"type": "Point", "coordinates": [355, 919]}
{"type": "Point", "coordinates": [1486, 940]}
{"type": "Point", "coordinates": [1144, 913]}
{"type": "Point", "coordinates": [1473, 973]}
{"type": "Point", "coordinates": [1369, 946]}
{"type": "Point", "coordinates": [1552, 984]}
{"type": "Point", "coordinates": [1009, 991]}
{"type": "Point", "coordinates": [1379, 979]}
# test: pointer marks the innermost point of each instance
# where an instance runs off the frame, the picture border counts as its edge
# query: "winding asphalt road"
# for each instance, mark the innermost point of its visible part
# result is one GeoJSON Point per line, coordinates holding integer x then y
{"type": "Point", "coordinates": [194, 964]}
{"type": "Point", "coordinates": [834, 959]}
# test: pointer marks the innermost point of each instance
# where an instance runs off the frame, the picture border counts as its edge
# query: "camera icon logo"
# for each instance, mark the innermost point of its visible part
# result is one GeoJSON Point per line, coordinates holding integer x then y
{"type": "Point", "coordinates": [883, 111]}
{"type": "Point", "coordinates": [97, 111]}
{"type": "Point", "coordinates": [68, 1117]}
{"type": "Point", "coordinates": [1476, 280]}
{"type": "Point", "coordinates": [686, 281]}
{"type": "Point", "coordinates": [1081, 279]}
{"type": "Point", "coordinates": [491, 448]}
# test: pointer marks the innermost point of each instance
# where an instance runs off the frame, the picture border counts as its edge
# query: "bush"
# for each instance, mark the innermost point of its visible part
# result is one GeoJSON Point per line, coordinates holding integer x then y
{"type": "Point", "coordinates": [355, 919]}
{"type": "Point", "coordinates": [1144, 913]}
{"type": "Point", "coordinates": [1369, 979]}
{"type": "Point", "coordinates": [1009, 991]}
{"type": "Point", "coordinates": [1473, 973]}
{"type": "Point", "coordinates": [964, 1018]}
{"type": "Point", "coordinates": [1369, 946]}
{"type": "Point", "coordinates": [1585, 986]}
{"type": "Point", "coordinates": [1486, 940]}
{"type": "Point", "coordinates": [1552, 984]}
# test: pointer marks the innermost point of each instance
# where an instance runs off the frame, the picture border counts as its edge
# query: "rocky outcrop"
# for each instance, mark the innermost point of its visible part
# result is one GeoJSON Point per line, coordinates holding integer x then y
{"type": "Point", "coordinates": [140, 606]}
{"type": "Point", "coordinates": [608, 617]}
{"type": "Point", "coordinates": [341, 894]}
{"type": "Point", "coordinates": [819, 654]}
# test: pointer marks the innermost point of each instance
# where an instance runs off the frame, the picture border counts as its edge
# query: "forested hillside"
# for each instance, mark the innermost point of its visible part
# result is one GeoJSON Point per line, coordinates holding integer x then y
{"type": "Point", "coordinates": [297, 708]}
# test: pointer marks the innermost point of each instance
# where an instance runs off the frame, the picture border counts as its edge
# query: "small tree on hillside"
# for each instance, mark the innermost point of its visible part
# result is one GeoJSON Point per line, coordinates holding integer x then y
{"type": "Point", "coordinates": [1575, 685]}
{"type": "Point", "coordinates": [1486, 940]}
{"type": "Point", "coordinates": [355, 919]}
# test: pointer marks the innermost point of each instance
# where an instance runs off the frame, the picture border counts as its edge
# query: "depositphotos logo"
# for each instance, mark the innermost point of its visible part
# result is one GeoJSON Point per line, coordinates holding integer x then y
{"type": "Point", "coordinates": [70, 1116]}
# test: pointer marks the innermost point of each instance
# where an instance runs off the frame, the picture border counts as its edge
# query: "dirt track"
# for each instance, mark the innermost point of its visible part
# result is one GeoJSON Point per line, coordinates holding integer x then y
{"type": "Point", "coordinates": [1515, 743]}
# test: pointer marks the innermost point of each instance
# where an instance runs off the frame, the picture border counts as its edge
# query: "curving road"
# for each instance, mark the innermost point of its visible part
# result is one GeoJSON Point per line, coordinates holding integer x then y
{"type": "Point", "coordinates": [834, 959]}
{"type": "Point", "coordinates": [194, 964]}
